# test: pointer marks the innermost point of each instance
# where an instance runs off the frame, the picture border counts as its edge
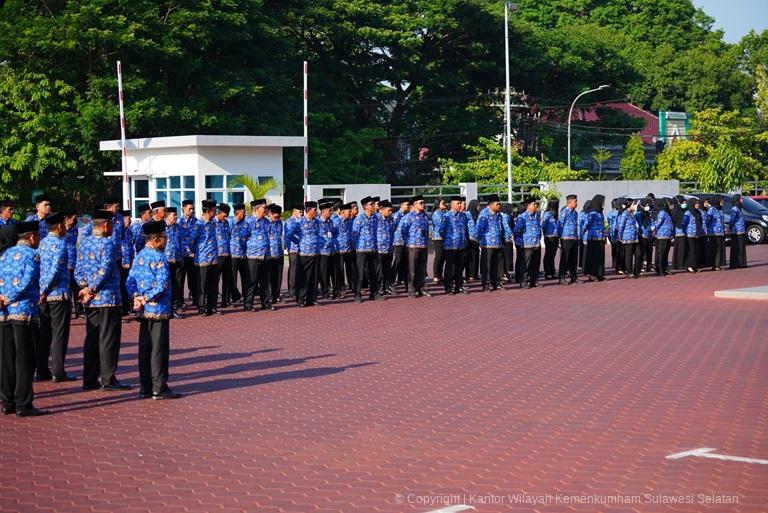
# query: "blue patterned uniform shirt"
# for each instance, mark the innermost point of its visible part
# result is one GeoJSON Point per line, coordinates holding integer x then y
{"type": "Point", "coordinates": [128, 248]}
{"type": "Point", "coordinates": [238, 238]}
{"type": "Point", "coordinates": [9, 222]}
{"type": "Point", "coordinates": [257, 247]}
{"type": "Point", "coordinates": [71, 240]}
{"type": "Point", "coordinates": [43, 224]}
{"type": "Point", "coordinates": [187, 228]}
{"type": "Point", "coordinates": [689, 225]}
{"type": "Point", "coordinates": [173, 251]}
{"type": "Point", "coordinates": [97, 269]}
{"type": "Point", "coordinates": [20, 284]}
{"type": "Point", "coordinates": [453, 230]}
{"type": "Point", "coordinates": [275, 229]}
{"type": "Point", "coordinates": [436, 216]}
{"type": "Point", "coordinates": [715, 221]}
{"type": "Point", "coordinates": [549, 224]}
{"type": "Point", "coordinates": [397, 237]}
{"type": "Point", "coordinates": [292, 240]}
{"type": "Point", "coordinates": [489, 230]}
{"type": "Point", "coordinates": [138, 236]}
{"type": "Point", "coordinates": [327, 240]}
{"type": "Point", "coordinates": [506, 227]}
{"type": "Point", "coordinates": [568, 224]}
{"type": "Point", "coordinates": [308, 233]}
{"type": "Point", "coordinates": [202, 238]}
{"type": "Point", "coordinates": [222, 236]}
{"type": "Point", "coordinates": [736, 223]}
{"type": "Point", "coordinates": [54, 270]}
{"type": "Point", "coordinates": [364, 233]}
{"type": "Point", "coordinates": [644, 224]}
{"type": "Point", "coordinates": [595, 226]}
{"type": "Point", "coordinates": [612, 216]}
{"type": "Point", "coordinates": [662, 228]}
{"type": "Point", "coordinates": [626, 227]}
{"type": "Point", "coordinates": [385, 234]}
{"type": "Point", "coordinates": [150, 277]}
{"type": "Point", "coordinates": [528, 226]}
{"type": "Point", "coordinates": [415, 228]}
{"type": "Point", "coordinates": [343, 234]}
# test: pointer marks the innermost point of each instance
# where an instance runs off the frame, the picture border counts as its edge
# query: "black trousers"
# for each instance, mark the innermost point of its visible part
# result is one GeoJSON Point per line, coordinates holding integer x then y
{"type": "Point", "coordinates": [276, 277]}
{"type": "Point", "coordinates": [454, 268]}
{"type": "Point", "coordinates": [519, 263]}
{"type": "Point", "coordinates": [306, 280]}
{"type": "Point", "coordinates": [327, 279]}
{"type": "Point", "coordinates": [633, 257]}
{"type": "Point", "coordinates": [366, 269]}
{"type": "Point", "coordinates": [259, 283]}
{"type": "Point", "coordinates": [293, 266]}
{"type": "Point", "coordinates": [507, 260]}
{"type": "Point", "coordinates": [53, 337]}
{"type": "Point", "coordinates": [17, 364]}
{"type": "Point", "coordinates": [738, 251]}
{"type": "Point", "coordinates": [385, 271]}
{"type": "Point", "coordinates": [569, 255]}
{"type": "Point", "coordinates": [617, 256]}
{"type": "Point", "coordinates": [190, 272]}
{"type": "Point", "coordinates": [74, 290]}
{"type": "Point", "coordinates": [717, 246]}
{"type": "Point", "coordinates": [400, 264]}
{"type": "Point", "coordinates": [678, 253]}
{"type": "Point", "coordinates": [127, 303]}
{"type": "Point", "coordinates": [662, 256]}
{"type": "Point", "coordinates": [692, 253]}
{"type": "Point", "coordinates": [208, 283]}
{"type": "Point", "coordinates": [438, 262]}
{"type": "Point", "coordinates": [473, 260]}
{"type": "Point", "coordinates": [227, 279]}
{"type": "Point", "coordinates": [532, 264]}
{"type": "Point", "coordinates": [177, 284]}
{"type": "Point", "coordinates": [550, 251]}
{"type": "Point", "coordinates": [417, 269]}
{"type": "Point", "coordinates": [154, 354]}
{"type": "Point", "coordinates": [348, 277]}
{"type": "Point", "coordinates": [239, 268]}
{"type": "Point", "coordinates": [646, 258]}
{"type": "Point", "coordinates": [594, 258]}
{"type": "Point", "coordinates": [101, 349]}
{"type": "Point", "coordinates": [489, 267]}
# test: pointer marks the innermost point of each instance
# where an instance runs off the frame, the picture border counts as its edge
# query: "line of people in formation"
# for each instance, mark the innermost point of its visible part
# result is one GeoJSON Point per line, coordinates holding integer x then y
{"type": "Point", "coordinates": [50, 268]}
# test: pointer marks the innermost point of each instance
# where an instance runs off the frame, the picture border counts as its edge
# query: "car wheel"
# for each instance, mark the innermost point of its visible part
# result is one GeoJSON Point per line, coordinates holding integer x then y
{"type": "Point", "coordinates": [755, 234]}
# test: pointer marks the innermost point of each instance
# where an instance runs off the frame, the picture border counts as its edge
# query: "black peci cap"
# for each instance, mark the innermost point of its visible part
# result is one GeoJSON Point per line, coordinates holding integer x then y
{"type": "Point", "coordinates": [111, 200]}
{"type": "Point", "coordinates": [257, 202]}
{"type": "Point", "coordinates": [208, 204]}
{"type": "Point", "coordinates": [223, 207]}
{"type": "Point", "coordinates": [40, 199]}
{"type": "Point", "coordinates": [103, 215]}
{"type": "Point", "coordinates": [171, 210]}
{"type": "Point", "coordinates": [275, 209]}
{"type": "Point", "coordinates": [418, 197]}
{"type": "Point", "coordinates": [571, 197]}
{"type": "Point", "coordinates": [27, 227]}
{"type": "Point", "coordinates": [157, 204]}
{"type": "Point", "coordinates": [153, 227]}
{"type": "Point", "coordinates": [126, 213]}
{"type": "Point", "coordinates": [143, 208]}
{"type": "Point", "coordinates": [187, 202]}
{"type": "Point", "coordinates": [366, 200]}
{"type": "Point", "coordinates": [239, 206]}
{"type": "Point", "coordinates": [492, 198]}
{"type": "Point", "coordinates": [310, 204]}
{"type": "Point", "coordinates": [54, 219]}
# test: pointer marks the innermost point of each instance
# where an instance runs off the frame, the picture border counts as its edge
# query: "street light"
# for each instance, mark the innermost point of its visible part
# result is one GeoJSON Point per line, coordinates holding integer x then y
{"type": "Point", "coordinates": [508, 7]}
{"type": "Point", "coordinates": [570, 113]}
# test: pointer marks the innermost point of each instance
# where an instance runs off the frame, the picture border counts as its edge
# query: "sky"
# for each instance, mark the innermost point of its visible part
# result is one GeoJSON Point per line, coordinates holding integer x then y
{"type": "Point", "coordinates": [736, 17]}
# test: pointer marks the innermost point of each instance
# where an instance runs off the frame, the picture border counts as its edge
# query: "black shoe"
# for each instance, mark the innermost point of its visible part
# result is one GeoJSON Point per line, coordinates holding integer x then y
{"type": "Point", "coordinates": [144, 394]}
{"type": "Point", "coordinates": [486, 289]}
{"type": "Point", "coordinates": [462, 290]}
{"type": "Point", "coordinates": [268, 308]}
{"type": "Point", "coordinates": [44, 376]}
{"type": "Point", "coordinates": [64, 378]}
{"type": "Point", "coordinates": [248, 309]}
{"type": "Point", "coordinates": [201, 312]}
{"type": "Point", "coordinates": [358, 299]}
{"type": "Point", "coordinates": [450, 292]}
{"type": "Point", "coordinates": [168, 394]}
{"type": "Point", "coordinates": [9, 408]}
{"type": "Point", "coordinates": [215, 311]}
{"type": "Point", "coordinates": [277, 300]}
{"type": "Point", "coordinates": [31, 412]}
{"type": "Point", "coordinates": [94, 386]}
{"type": "Point", "coordinates": [115, 386]}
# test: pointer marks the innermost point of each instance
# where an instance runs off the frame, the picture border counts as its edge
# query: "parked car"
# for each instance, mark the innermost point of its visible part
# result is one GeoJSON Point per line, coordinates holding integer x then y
{"type": "Point", "coordinates": [763, 200]}
{"type": "Point", "coordinates": [755, 214]}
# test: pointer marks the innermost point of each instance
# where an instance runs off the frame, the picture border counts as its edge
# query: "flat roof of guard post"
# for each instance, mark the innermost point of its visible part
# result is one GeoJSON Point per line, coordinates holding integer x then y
{"type": "Point", "coordinates": [189, 141]}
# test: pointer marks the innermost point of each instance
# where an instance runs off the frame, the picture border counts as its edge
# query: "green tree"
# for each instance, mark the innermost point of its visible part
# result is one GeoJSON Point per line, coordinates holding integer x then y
{"type": "Point", "coordinates": [632, 165]}
{"type": "Point", "coordinates": [601, 156]}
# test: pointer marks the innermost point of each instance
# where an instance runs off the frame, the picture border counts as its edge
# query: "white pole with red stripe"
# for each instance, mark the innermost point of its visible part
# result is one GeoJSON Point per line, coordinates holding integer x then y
{"type": "Point", "coordinates": [124, 152]}
{"type": "Point", "coordinates": [306, 134]}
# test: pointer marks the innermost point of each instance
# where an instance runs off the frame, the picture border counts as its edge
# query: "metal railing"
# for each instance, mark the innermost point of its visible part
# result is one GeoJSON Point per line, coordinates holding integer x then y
{"type": "Point", "coordinates": [430, 193]}
{"type": "Point", "coordinates": [519, 190]}
{"type": "Point", "coordinates": [748, 188]}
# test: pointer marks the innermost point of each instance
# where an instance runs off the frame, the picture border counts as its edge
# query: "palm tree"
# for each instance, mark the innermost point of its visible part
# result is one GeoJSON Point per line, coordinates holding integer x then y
{"type": "Point", "coordinates": [257, 190]}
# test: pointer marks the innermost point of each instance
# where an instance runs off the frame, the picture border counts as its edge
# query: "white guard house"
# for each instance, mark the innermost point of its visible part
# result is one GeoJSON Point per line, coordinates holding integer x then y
{"type": "Point", "coordinates": [198, 167]}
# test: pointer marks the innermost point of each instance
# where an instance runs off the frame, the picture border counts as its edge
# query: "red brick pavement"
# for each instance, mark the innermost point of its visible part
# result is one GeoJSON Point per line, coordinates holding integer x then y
{"type": "Point", "coordinates": [577, 390]}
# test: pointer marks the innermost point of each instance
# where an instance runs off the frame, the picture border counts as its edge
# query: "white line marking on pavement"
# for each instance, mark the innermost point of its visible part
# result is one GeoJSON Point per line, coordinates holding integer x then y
{"type": "Point", "coordinates": [452, 509]}
{"type": "Point", "coordinates": [706, 452]}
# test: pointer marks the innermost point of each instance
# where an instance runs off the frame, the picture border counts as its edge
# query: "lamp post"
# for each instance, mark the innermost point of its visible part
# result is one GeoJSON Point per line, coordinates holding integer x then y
{"type": "Point", "coordinates": [508, 7]}
{"type": "Point", "coordinates": [570, 113]}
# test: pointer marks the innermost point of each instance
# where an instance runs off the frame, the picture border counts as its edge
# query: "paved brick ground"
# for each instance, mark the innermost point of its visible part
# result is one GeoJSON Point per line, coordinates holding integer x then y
{"type": "Point", "coordinates": [560, 390]}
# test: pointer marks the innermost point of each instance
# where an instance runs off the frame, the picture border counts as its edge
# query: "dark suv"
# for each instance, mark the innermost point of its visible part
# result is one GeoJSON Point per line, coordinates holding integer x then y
{"type": "Point", "coordinates": [755, 214]}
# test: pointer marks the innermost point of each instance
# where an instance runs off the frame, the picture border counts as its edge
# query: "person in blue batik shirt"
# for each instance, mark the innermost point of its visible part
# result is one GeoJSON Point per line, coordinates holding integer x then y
{"type": "Point", "coordinates": [678, 211]}
{"type": "Point", "coordinates": [6, 213]}
{"type": "Point", "coordinates": [257, 251]}
{"type": "Point", "coordinates": [145, 214]}
{"type": "Point", "coordinates": [692, 226]}
{"type": "Point", "coordinates": [19, 298]}
{"type": "Point", "coordinates": [223, 242]}
{"type": "Point", "coordinates": [628, 235]}
{"type": "Point", "coordinates": [327, 280]}
{"type": "Point", "coordinates": [644, 225]}
{"type": "Point", "coordinates": [98, 277]}
{"type": "Point", "coordinates": [568, 232]}
{"type": "Point", "coordinates": [364, 241]}
{"type": "Point", "coordinates": [399, 251]}
{"type": "Point", "coordinates": [292, 245]}
{"type": "Point", "coordinates": [438, 261]}
{"type": "Point", "coordinates": [583, 231]}
{"type": "Point", "coordinates": [55, 301]}
{"type": "Point", "coordinates": [307, 231]}
{"type": "Point", "coordinates": [716, 231]}
{"type": "Point", "coordinates": [549, 230]}
{"type": "Point", "coordinates": [415, 231]}
{"type": "Point", "coordinates": [617, 258]}
{"type": "Point", "coordinates": [490, 236]}
{"type": "Point", "coordinates": [594, 236]}
{"type": "Point", "coordinates": [453, 230]}
{"type": "Point", "coordinates": [174, 254]}
{"type": "Point", "coordinates": [663, 231]}
{"type": "Point", "coordinates": [73, 232]}
{"type": "Point", "coordinates": [528, 226]}
{"type": "Point", "coordinates": [149, 285]}
{"type": "Point", "coordinates": [187, 222]}
{"type": "Point", "coordinates": [276, 258]}
{"type": "Point", "coordinates": [346, 259]}
{"type": "Point", "coordinates": [385, 233]}
{"type": "Point", "coordinates": [42, 210]}
{"type": "Point", "coordinates": [202, 238]}
{"type": "Point", "coordinates": [738, 228]}
{"type": "Point", "coordinates": [239, 232]}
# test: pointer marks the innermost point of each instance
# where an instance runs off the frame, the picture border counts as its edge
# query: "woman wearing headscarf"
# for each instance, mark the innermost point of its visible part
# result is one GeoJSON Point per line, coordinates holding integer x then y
{"type": "Point", "coordinates": [617, 257]}
{"type": "Point", "coordinates": [678, 249]}
{"type": "Point", "coordinates": [506, 262]}
{"type": "Point", "coordinates": [594, 235]}
{"type": "Point", "coordinates": [738, 229]}
{"type": "Point", "coordinates": [438, 209]}
{"type": "Point", "coordinates": [662, 231]}
{"type": "Point", "coordinates": [582, 230]}
{"type": "Point", "coordinates": [645, 241]}
{"type": "Point", "coordinates": [716, 230]}
{"type": "Point", "coordinates": [628, 233]}
{"type": "Point", "coordinates": [692, 228]}
{"type": "Point", "coordinates": [705, 255]}
{"type": "Point", "coordinates": [549, 230]}
{"type": "Point", "coordinates": [473, 246]}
